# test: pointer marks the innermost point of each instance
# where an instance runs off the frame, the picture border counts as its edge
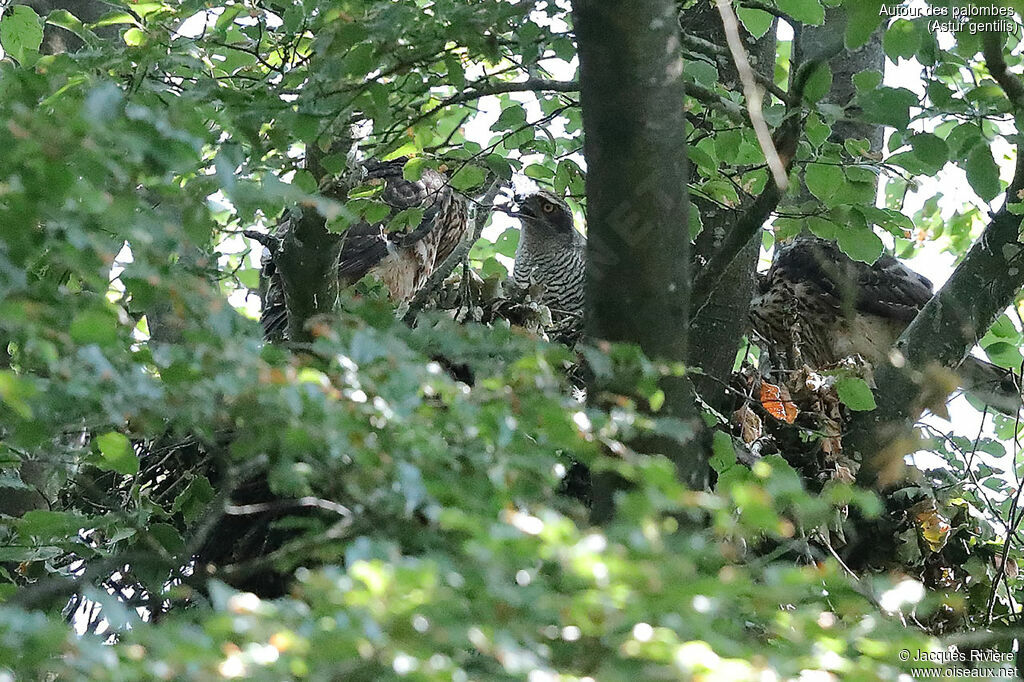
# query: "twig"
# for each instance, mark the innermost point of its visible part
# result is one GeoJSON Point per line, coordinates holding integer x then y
{"type": "Point", "coordinates": [481, 214]}
{"type": "Point", "coordinates": [752, 94]}
{"type": "Point", "coordinates": [1012, 521]}
{"type": "Point", "coordinates": [283, 505]}
{"type": "Point", "coordinates": [704, 95]}
{"type": "Point", "coordinates": [770, 9]}
{"type": "Point", "coordinates": [1014, 89]}
{"type": "Point", "coordinates": [784, 143]}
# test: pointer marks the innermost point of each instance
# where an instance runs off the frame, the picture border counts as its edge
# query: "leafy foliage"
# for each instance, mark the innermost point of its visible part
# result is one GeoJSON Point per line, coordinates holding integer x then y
{"type": "Point", "coordinates": [155, 454]}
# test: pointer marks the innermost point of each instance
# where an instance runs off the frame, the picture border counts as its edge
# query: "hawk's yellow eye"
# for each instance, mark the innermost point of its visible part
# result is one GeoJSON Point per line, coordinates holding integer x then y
{"type": "Point", "coordinates": [548, 208]}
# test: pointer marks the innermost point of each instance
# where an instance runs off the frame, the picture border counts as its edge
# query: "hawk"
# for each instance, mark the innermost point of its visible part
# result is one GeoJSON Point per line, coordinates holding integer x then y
{"type": "Point", "coordinates": [403, 259]}
{"type": "Point", "coordinates": [816, 306]}
{"type": "Point", "coordinates": [551, 258]}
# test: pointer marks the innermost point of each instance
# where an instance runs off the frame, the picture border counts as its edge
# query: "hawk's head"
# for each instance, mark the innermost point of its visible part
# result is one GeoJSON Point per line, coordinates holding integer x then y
{"type": "Point", "coordinates": [545, 216]}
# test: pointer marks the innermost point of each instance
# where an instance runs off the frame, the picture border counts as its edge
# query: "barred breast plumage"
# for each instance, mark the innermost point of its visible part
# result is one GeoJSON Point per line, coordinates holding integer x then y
{"type": "Point", "coordinates": [551, 257]}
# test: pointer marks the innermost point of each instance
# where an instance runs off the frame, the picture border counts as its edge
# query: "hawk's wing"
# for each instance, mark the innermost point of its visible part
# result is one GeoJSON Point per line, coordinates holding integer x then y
{"type": "Point", "coordinates": [886, 288]}
{"type": "Point", "coordinates": [403, 258]}
{"type": "Point", "coordinates": [369, 245]}
{"type": "Point", "coordinates": [817, 306]}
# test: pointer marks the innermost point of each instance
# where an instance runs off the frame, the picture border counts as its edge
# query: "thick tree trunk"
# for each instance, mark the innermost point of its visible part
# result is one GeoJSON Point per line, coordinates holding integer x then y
{"type": "Point", "coordinates": [638, 248]}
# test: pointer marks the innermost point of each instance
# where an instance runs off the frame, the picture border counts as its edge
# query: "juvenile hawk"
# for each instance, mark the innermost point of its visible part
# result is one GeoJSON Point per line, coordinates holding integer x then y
{"type": "Point", "coordinates": [816, 306]}
{"type": "Point", "coordinates": [403, 259]}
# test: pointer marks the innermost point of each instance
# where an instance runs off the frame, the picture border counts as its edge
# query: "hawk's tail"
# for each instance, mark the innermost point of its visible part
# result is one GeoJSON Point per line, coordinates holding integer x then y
{"type": "Point", "coordinates": [997, 387]}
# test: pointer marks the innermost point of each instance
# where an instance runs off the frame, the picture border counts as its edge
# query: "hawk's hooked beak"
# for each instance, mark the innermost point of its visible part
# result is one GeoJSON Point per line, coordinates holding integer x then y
{"type": "Point", "coordinates": [525, 210]}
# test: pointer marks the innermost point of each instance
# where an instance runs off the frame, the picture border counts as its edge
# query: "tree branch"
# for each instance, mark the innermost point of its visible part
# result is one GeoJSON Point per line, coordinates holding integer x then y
{"type": "Point", "coordinates": [992, 49]}
{"type": "Point", "coordinates": [708, 48]}
{"type": "Point", "coordinates": [785, 142]}
{"type": "Point", "coordinates": [706, 96]}
{"type": "Point", "coordinates": [950, 324]}
{"type": "Point", "coordinates": [751, 93]}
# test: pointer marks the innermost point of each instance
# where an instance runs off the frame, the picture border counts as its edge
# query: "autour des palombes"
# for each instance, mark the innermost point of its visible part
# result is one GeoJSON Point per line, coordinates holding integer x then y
{"type": "Point", "coordinates": [993, 17]}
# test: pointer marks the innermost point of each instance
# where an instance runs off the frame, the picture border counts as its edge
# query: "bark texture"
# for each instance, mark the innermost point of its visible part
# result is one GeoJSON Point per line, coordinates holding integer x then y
{"type": "Point", "coordinates": [638, 247]}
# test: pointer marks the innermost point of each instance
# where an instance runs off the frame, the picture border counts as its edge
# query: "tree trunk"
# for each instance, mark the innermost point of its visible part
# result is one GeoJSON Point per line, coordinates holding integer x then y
{"type": "Point", "coordinates": [717, 329]}
{"type": "Point", "coordinates": [638, 247]}
{"type": "Point", "coordinates": [826, 42]}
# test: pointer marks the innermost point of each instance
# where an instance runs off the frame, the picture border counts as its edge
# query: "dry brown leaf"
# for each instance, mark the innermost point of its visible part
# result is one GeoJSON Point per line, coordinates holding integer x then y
{"type": "Point", "coordinates": [777, 402]}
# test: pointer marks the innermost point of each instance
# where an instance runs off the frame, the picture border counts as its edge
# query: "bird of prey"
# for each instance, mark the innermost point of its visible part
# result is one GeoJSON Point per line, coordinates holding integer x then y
{"type": "Point", "coordinates": [551, 258]}
{"type": "Point", "coordinates": [403, 259]}
{"type": "Point", "coordinates": [816, 306]}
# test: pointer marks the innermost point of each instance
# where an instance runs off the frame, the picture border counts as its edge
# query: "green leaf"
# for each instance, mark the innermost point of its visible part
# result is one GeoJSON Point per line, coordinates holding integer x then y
{"type": "Point", "coordinates": [538, 172]}
{"type": "Point", "coordinates": [817, 130]}
{"type": "Point", "coordinates": [375, 211]}
{"type": "Point", "coordinates": [888, 106]}
{"type": "Point", "coordinates": [867, 80]}
{"type": "Point", "coordinates": [413, 168]}
{"type": "Point", "coordinates": [824, 181]}
{"type": "Point", "coordinates": [113, 19]}
{"type": "Point", "coordinates": [468, 177]}
{"type": "Point", "coordinates": [134, 37]}
{"type": "Point", "coordinates": [982, 172]}
{"type": "Point", "coordinates": [15, 391]}
{"type": "Point", "coordinates": [511, 117]}
{"type": "Point", "coordinates": [508, 242]}
{"type": "Point", "coordinates": [193, 499]}
{"type": "Point", "coordinates": [757, 22]}
{"type": "Point", "coordinates": [406, 219]}
{"type": "Point", "coordinates": [94, 326]}
{"type": "Point", "coordinates": [117, 454]}
{"type": "Point", "coordinates": [305, 181]}
{"type": "Point", "coordinates": [804, 11]}
{"type": "Point", "coordinates": [21, 33]}
{"type": "Point", "coordinates": [696, 222]}
{"type": "Point", "coordinates": [42, 523]}
{"type": "Point", "coordinates": [818, 84]}
{"type": "Point", "coordinates": [723, 453]}
{"type": "Point", "coordinates": [69, 22]}
{"type": "Point", "coordinates": [820, 227]}
{"type": "Point", "coordinates": [931, 151]}
{"type": "Point", "coordinates": [703, 73]}
{"type": "Point", "coordinates": [249, 277]}
{"type": "Point", "coordinates": [855, 394]}
{"type": "Point", "coordinates": [856, 146]}
{"type": "Point", "coordinates": [962, 139]}
{"type": "Point", "coordinates": [167, 536]}
{"type": "Point", "coordinates": [862, 17]}
{"type": "Point", "coordinates": [860, 244]}
{"type": "Point", "coordinates": [1004, 354]}
{"type": "Point", "coordinates": [902, 39]}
